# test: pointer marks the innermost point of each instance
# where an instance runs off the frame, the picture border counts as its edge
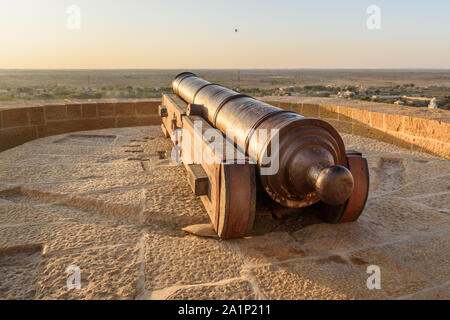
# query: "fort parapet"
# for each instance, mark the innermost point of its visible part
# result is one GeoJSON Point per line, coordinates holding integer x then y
{"type": "Point", "coordinates": [417, 129]}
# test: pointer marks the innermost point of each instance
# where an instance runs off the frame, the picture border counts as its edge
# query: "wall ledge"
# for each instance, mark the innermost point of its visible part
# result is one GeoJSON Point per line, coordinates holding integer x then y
{"type": "Point", "coordinates": [417, 129]}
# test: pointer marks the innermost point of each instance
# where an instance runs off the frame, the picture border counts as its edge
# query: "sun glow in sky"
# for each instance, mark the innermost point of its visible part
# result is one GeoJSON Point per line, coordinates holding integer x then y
{"type": "Point", "coordinates": [201, 34]}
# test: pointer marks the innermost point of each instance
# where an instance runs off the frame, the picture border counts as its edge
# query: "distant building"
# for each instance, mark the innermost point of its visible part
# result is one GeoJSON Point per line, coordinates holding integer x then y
{"type": "Point", "coordinates": [433, 104]}
{"type": "Point", "coordinates": [345, 94]}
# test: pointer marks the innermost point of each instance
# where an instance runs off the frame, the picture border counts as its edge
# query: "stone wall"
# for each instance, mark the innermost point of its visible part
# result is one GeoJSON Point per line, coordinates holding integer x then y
{"type": "Point", "coordinates": [19, 124]}
{"type": "Point", "coordinates": [407, 131]}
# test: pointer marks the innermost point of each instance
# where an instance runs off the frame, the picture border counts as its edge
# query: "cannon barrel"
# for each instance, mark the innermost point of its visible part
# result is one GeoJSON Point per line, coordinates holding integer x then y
{"type": "Point", "coordinates": [311, 154]}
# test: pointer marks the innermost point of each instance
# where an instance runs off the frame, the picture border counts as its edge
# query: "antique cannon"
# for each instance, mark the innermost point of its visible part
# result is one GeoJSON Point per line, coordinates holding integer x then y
{"type": "Point", "coordinates": [313, 166]}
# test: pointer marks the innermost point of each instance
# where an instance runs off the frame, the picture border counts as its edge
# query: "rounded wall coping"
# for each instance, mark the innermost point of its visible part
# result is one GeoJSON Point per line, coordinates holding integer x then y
{"type": "Point", "coordinates": [417, 129]}
{"type": "Point", "coordinates": [412, 128]}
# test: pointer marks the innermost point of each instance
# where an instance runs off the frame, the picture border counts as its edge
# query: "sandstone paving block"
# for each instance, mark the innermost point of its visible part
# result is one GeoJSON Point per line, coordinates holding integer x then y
{"type": "Point", "coordinates": [61, 236]}
{"type": "Point", "coordinates": [123, 202]}
{"type": "Point", "coordinates": [271, 247]}
{"type": "Point", "coordinates": [184, 209]}
{"type": "Point", "coordinates": [379, 149]}
{"type": "Point", "coordinates": [4, 203]}
{"type": "Point", "coordinates": [429, 256]}
{"type": "Point", "coordinates": [407, 218]}
{"type": "Point", "coordinates": [436, 293]}
{"type": "Point", "coordinates": [325, 279]}
{"type": "Point", "coordinates": [235, 290]}
{"type": "Point", "coordinates": [440, 202]}
{"type": "Point", "coordinates": [422, 168]}
{"type": "Point", "coordinates": [149, 179]}
{"type": "Point", "coordinates": [18, 275]}
{"type": "Point", "coordinates": [42, 147]}
{"type": "Point", "coordinates": [327, 238]}
{"type": "Point", "coordinates": [111, 272]}
{"type": "Point", "coordinates": [174, 261]}
{"type": "Point", "coordinates": [51, 173]}
{"type": "Point", "coordinates": [36, 160]}
{"type": "Point", "coordinates": [18, 213]}
{"type": "Point", "coordinates": [396, 278]}
{"type": "Point", "coordinates": [430, 186]}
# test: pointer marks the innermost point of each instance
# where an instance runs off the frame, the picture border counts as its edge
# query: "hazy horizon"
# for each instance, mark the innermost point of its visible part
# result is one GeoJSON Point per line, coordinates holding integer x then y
{"type": "Point", "coordinates": [223, 35]}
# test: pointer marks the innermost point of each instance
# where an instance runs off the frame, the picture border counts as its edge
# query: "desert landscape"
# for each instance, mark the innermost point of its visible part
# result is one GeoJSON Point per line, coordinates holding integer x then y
{"type": "Point", "coordinates": [358, 84]}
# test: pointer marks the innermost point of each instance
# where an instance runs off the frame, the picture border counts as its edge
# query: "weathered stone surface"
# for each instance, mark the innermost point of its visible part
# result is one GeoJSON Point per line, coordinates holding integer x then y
{"type": "Point", "coordinates": [74, 111]}
{"type": "Point", "coordinates": [62, 236]}
{"type": "Point", "coordinates": [89, 110]}
{"type": "Point", "coordinates": [111, 272]}
{"type": "Point", "coordinates": [396, 278]}
{"type": "Point", "coordinates": [276, 246]}
{"type": "Point", "coordinates": [327, 278]}
{"type": "Point", "coordinates": [147, 107]}
{"type": "Point", "coordinates": [55, 112]}
{"type": "Point", "coordinates": [36, 115]}
{"type": "Point", "coordinates": [105, 109]}
{"type": "Point", "coordinates": [19, 274]}
{"type": "Point", "coordinates": [310, 110]}
{"type": "Point", "coordinates": [325, 238]}
{"type": "Point", "coordinates": [174, 261]}
{"type": "Point", "coordinates": [407, 218]}
{"type": "Point", "coordinates": [236, 290]}
{"type": "Point", "coordinates": [429, 256]}
{"type": "Point", "coordinates": [377, 120]}
{"type": "Point", "coordinates": [436, 293]}
{"type": "Point", "coordinates": [11, 137]}
{"type": "Point", "coordinates": [125, 109]}
{"type": "Point", "coordinates": [328, 112]}
{"type": "Point", "coordinates": [361, 117]}
{"type": "Point", "coordinates": [111, 202]}
{"type": "Point", "coordinates": [15, 118]}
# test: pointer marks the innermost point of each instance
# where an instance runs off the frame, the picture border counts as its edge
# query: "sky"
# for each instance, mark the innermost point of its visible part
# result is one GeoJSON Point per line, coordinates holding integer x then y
{"type": "Point", "coordinates": [194, 34]}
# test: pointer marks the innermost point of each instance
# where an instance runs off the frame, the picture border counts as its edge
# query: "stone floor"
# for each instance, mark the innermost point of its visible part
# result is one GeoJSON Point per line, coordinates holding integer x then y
{"type": "Point", "coordinates": [111, 203]}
